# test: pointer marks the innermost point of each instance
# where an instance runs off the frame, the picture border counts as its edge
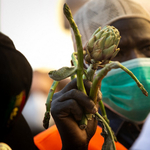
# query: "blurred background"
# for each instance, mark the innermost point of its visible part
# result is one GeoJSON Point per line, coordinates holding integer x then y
{"type": "Point", "coordinates": [36, 27]}
{"type": "Point", "coordinates": [40, 31]}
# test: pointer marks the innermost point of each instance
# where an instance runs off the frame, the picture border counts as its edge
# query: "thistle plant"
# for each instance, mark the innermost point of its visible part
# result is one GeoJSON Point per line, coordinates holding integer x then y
{"type": "Point", "coordinates": [100, 49]}
{"type": "Point", "coordinates": [102, 45]}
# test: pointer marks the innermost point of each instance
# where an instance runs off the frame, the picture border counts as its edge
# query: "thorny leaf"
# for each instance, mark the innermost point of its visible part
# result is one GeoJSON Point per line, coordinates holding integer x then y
{"type": "Point", "coordinates": [62, 73]}
{"type": "Point", "coordinates": [108, 142]}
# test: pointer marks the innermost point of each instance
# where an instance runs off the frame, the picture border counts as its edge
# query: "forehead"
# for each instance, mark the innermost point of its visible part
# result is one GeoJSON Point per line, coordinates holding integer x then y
{"type": "Point", "coordinates": [133, 28]}
{"type": "Point", "coordinates": [131, 24]}
{"type": "Point", "coordinates": [137, 29]}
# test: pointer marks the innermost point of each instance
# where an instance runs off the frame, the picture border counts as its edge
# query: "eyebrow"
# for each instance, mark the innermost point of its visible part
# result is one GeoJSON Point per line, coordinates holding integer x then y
{"type": "Point", "coordinates": [139, 42]}
{"type": "Point", "coordinates": [143, 41]}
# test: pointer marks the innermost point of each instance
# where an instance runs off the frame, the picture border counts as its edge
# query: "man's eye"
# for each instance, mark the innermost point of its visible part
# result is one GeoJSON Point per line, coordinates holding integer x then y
{"type": "Point", "coordinates": [146, 50]}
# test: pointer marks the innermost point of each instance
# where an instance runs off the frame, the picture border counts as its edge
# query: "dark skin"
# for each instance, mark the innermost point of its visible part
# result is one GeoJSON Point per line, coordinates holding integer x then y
{"type": "Point", "coordinates": [69, 104]}
{"type": "Point", "coordinates": [135, 39]}
{"type": "Point", "coordinates": [67, 109]}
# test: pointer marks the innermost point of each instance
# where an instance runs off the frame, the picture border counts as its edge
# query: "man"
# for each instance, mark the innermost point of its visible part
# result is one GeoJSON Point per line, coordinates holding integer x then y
{"type": "Point", "coordinates": [126, 107]}
{"type": "Point", "coordinates": [132, 21]}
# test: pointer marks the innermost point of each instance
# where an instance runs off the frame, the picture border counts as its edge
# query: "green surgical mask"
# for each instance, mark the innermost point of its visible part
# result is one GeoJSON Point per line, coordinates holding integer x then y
{"type": "Point", "coordinates": [121, 93]}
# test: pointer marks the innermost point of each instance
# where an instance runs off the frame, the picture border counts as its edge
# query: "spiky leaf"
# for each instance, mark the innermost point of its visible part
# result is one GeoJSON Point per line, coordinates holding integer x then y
{"type": "Point", "coordinates": [62, 73]}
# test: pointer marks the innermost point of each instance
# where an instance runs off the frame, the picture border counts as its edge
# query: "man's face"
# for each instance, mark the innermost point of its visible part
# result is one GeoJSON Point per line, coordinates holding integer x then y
{"type": "Point", "coordinates": [135, 39]}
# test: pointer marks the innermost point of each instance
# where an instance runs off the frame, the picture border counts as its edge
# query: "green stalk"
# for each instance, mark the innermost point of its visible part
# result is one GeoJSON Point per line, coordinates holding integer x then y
{"type": "Point", "coordinates": [116, 64]}
{"type": "Point", "coordinates": [103, 111]}
{"type": "Point", "coordinates": [77, 34]}
{"type": "Point", "coordinates": [94, 90]}
{"type": "Point", "coordinates": [73, 77]}
{"type": "Point", "coordinates": [134, 78]}
{"type": "Point", "coordinates": [48, 104]}
{"type": "Point", "coordinates": [74, 62]}
{"type": "Point", "coordinates": [101, 74]}
{"type": "Point", "coordinates": [74, 59]}
{"type": "Point", "coordinates": [90, 73]}
{"type": "Point", "coordinates": [50, 95]}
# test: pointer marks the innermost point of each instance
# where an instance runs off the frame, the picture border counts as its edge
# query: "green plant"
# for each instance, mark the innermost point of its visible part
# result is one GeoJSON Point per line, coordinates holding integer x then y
{"type": "Point", "coordinates": [100, 49]}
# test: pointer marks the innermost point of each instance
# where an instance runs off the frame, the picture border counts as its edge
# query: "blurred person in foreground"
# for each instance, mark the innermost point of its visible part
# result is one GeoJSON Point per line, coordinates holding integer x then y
{"type": "Point", "coordinates": [126, 107]}
{"type": "Point", "coordinates": [15, 83]}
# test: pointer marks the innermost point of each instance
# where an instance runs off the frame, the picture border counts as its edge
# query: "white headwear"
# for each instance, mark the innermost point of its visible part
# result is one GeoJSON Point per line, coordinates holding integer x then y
{"type": "Point", "coordinates": [96, 13]}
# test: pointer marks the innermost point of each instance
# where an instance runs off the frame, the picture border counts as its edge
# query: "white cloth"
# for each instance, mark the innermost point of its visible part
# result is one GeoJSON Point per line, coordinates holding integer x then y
{"type": "Point", "coordinates": [143, 141]}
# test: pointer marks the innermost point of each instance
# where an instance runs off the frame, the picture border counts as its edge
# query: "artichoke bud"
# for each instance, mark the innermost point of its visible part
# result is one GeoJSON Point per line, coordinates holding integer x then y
{"type": "Point", "coordinates": [115, 53]}
{"type": "Point", "coordinates": [97, 55]}
{"type": "Point", "coordinates": [107, 53]}
{"type": "Point", "coordinates": [117, 41]}
{"type": "Point", "coordinates": [87, 59]}
{"type": "Point", "coordinates": [109, 41]}
{"type": "Point", "coordinates": [106, 34]}
{"type": "Point", "coordinates": [103, 44]}
{"type": "Point", "coordinates": [92, 40]}
{"type": "Point", "coordinates": [99, 34]}
{"type": "Point", "coordinates": [90, 44]}
{"type": "Point", "coordinates": [99, 44]}
{"type": "Point", "coordinates": [96, 31]}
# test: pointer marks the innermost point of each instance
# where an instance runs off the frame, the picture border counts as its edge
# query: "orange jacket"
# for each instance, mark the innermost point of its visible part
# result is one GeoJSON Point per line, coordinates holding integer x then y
{"type": "Point", "coordinates": [50, 140]}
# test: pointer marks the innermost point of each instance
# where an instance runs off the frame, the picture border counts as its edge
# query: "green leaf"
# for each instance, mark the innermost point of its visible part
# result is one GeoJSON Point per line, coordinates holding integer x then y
{"type": "Point", "coordinates": [107, 134]}
{"type": "Point", "coordinates": [62, 73]}
{"type": "Point", "coordinates": [108, 142]}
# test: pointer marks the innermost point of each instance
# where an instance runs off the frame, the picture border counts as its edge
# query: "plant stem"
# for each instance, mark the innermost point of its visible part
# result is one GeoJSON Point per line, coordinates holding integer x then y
{"type": "Point", "coordinates": [74, 62]}
{"type": "Point", "coordinates": [134, 78]}
{"type": "Point", "coordinates": [96, 85]}
{"type": "Point", "coordinates": [77, 35]}
{"type": "Point", "coordinates": [74, 59]}
{"type": "Point", "coordinates": [50, 95]}
{"type": "Point", "coordinates": [48, 104]}
{"type": "Point", "coordinates": [116, 64]}
{"type": "Point", "coordinates": [90, 73]}
{"type": "Point", "coordinates": [103, 111]}
{"type": "Point", "coordinates": [93, 93]}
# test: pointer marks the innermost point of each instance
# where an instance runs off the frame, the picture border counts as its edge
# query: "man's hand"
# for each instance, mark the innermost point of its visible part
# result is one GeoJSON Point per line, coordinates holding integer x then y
{"type": "Point", "coordinates": [67, 109]}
